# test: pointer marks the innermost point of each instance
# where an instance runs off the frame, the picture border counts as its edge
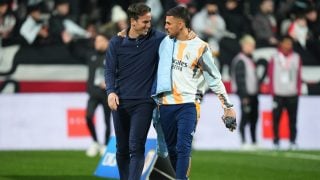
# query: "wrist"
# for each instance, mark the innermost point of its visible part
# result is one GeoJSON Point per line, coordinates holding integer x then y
{"type": "Point", "coordinates": [227, 106]}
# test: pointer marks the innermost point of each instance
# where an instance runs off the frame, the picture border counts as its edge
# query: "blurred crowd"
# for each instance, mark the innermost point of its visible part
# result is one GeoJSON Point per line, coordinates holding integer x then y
{"type": "Point", "coordinates": [75, 23]}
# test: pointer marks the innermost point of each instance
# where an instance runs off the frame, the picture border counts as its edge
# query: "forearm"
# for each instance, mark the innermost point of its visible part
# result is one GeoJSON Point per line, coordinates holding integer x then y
{"type": "Point", "coordinates": [213, 78]}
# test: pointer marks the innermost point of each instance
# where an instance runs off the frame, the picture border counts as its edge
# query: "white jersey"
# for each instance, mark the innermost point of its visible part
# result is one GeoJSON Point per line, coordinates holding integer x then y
{"type": "Point", "coordinates": [193, 71]}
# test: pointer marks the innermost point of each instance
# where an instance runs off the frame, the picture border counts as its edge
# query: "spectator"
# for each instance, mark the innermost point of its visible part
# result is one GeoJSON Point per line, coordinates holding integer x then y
{"type": "Point", "coordinates": [236, 22]}
{"type": "Point", "coordinates": [264, 25]}
{"type": "Point", "coordinates": [118, 22]}
{"type": "Point", "coordinates": [34, 29]}
{"type": "Point", "coordinates": [192, 8]}
{"type": "Point", "coordinates": [209, 25]}
{"type": "Point", "coordinates": [63, 29]}
{"type": "Point", "coordinates": [313, 22]}
{"type": "Point", "coordinates": [245, 84]}
{"type": "Point", "coordinates": [238, 25]}
{"type": "Point", "coordinates": [8, 25]}
{"type": "Point", "coordinates": [285, 84]}
{"type": "Point", "coordinates": [298, 30]}
{"type": "Point", "coordinates": [96, 90]}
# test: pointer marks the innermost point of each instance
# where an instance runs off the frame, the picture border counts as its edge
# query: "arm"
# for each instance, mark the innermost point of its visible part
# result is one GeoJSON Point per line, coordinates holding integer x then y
{"type": "Point", "coordinates": [110, 72]}
{"type": "Point", "coordinates": [270, 74]}
{"type": "Point", "coordinates": [29, 30]}
{"type": "Point", "coordinates": [299, 84]}
{"type": "Point", "coordinates": [213, 79]}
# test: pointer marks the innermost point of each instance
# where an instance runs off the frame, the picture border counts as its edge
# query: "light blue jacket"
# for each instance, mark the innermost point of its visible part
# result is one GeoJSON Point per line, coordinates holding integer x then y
{"type": "Point", "coordinates": [162, 84]}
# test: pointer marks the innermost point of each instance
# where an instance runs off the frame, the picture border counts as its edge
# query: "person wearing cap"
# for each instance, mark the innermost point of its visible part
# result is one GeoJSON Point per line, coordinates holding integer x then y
{"type": "Point", "coordinates": [245, 84]}
{"type": "Point", "coordinates": [34, 30]}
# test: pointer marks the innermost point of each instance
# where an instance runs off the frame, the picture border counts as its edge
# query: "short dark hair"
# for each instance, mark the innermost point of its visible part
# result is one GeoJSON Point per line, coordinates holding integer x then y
{"type": "Point", "coordinates": [286, 37]}
{"type": "Point", "coordinates": [137, 9]}
{"type": "Point", "coordinates": [180, 12]}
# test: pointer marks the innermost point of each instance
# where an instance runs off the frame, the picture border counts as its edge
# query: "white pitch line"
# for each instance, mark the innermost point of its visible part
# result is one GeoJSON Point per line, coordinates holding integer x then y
{"type": "Point", "coordinates": [287, 155]}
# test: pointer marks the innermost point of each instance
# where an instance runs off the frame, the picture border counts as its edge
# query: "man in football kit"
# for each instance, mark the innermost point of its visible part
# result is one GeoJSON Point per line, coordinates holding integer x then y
{"type": "Point", "coordinates": [186, 69]}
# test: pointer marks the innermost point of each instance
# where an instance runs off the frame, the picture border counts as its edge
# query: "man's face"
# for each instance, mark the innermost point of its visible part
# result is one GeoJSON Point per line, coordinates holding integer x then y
{"type": "Point", "coordinates": [36, 14]}
{"type": "Point", "coordinates": [267, 7]}
{"type": "Point", "coordinates": [142, 25]}
{"type": "Point", "coordinates": [63, 9]}
{"type": "Point", "coordinates": [248, 47]}
{"type": "Point", "coordinates": [173, 26]}
{"type": "Point", "coordinates": [212, 9]}
{"type": "Point", "coordinates": [286, 45]}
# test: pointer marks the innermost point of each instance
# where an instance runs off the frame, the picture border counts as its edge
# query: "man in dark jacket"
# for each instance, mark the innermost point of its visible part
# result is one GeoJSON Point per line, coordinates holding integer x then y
{"type": "Point", "coordinates": [130, 71]}
{"type": "Point", "coordinates": [245, 84]}
{"type": "Point", "coordinates": [96, 90]}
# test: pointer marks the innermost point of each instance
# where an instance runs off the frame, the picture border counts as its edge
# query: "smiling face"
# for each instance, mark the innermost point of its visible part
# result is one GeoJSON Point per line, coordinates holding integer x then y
{"type": "Point", "coordinates": [142, 25]}
{"type": "Point", "coordinates": [173, 26]}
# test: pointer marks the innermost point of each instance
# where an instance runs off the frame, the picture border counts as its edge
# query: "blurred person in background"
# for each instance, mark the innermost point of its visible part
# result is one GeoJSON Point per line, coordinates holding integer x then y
{"type": "Point", "coordinates": [298, 30]}
{"type": "Point", "coordinates": [62, 28]}
{"type": "Point", "coordinates": [209, 25]}
{"type": "Point", "coordinates": [34, 29]}
{"type": "Point", "coordinates": [245, 84]}
{"type": "Point", "coordinates": [285, 85]}
{"type": "Point", "coordinates": [96, 90]}
{"type": "Point", "coordinates": [236, 22]}
{"type": "Point", "coordinates": [9, 25]}
{"type": "Point", "coordinates": [65, 31]}
{"type": "Point", "coordinates": [313, 22]}
{"type": "Point", "coordinates": [238, 25]}
{"type": "Point", "coordinates": [119, 22]}
{"type": "Point", "coordinates": [264, 25]}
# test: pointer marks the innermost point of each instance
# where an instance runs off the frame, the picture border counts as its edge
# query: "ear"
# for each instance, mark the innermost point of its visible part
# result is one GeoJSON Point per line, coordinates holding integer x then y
{"type": "Point", "coordinates": [133, 21]}
{"type": "Point", "coordinates": [181, 24]}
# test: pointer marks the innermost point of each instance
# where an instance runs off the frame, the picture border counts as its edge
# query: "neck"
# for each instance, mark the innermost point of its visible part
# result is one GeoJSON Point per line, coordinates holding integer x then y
{"type": "Point", "coordinates": [132, 33]}
{"type": "Point", "coordinates": [183, 34]}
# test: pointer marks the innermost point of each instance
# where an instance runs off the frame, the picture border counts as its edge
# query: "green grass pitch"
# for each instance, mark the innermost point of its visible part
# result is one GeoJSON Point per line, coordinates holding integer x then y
{"type": "Point", "coordinates": [206, 165]}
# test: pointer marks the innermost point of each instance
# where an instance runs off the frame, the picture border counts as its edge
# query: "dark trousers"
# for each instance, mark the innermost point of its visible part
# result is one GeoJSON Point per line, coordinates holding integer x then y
{"type": "Point", "coordinates": [249, 115]}
{"type": "Point", "coordinates": [178, 124]}
{"type": "Point", "coordinates": [93, 102]}
{"type": "Point", "coordinates": [131, 123]}
{"type": "Point", "coordinates": [291, 104]}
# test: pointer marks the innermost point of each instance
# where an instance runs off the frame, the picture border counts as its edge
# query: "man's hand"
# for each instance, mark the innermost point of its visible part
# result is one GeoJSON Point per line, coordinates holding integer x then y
{"type": "Point", "coordinates": [191, 35]}
{"type": "Point", "coordinates": [122, 33]}
{"type": "Point", "coordinates": [113, 101]}
{"type": "Point", "coordinates": [229, 118]}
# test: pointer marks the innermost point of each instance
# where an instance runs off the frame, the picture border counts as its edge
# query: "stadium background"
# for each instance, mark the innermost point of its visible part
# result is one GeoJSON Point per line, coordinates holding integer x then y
{"type": "Point", "coordinates": [43, 133]}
